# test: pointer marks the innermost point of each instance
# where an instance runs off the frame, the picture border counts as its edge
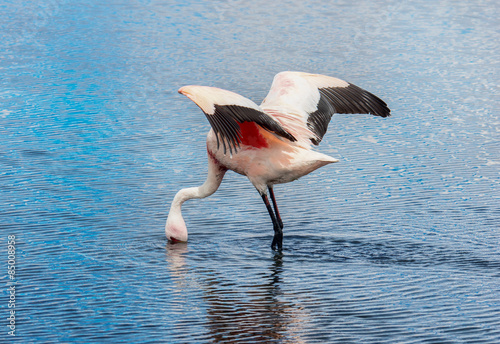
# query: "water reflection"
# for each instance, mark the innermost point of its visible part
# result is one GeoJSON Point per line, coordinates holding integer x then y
{"type": "Point", "coordinates": [257, 312]}
{"type": "Point", "coordinates": [176, 257]}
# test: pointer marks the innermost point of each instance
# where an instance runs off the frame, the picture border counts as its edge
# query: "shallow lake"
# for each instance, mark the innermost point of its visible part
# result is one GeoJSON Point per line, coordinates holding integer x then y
{"type": "Point", "coordinates": [396, 243]}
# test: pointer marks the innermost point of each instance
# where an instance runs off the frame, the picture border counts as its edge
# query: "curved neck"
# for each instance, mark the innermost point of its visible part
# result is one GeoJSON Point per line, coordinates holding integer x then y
{"type": "Point", "coordinates": [212, 183]}
{"type": "Point", "coordinates": [175, 228]}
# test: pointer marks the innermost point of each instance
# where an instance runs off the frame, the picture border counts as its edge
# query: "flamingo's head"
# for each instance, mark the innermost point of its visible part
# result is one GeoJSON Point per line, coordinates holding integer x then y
{"type": "Point", "coordinates": [176, 229]}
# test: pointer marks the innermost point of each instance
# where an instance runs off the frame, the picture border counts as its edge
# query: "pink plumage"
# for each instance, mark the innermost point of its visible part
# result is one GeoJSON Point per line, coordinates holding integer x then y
{"type": "Point", "coordinates": [271, 143]}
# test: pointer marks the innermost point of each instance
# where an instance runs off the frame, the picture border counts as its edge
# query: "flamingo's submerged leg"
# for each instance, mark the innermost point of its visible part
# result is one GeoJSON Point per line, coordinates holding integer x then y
{"type": "Point", "coordinates": [278, 232]}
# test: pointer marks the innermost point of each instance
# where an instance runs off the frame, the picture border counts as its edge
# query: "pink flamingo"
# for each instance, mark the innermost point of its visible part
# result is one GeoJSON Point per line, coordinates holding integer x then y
{"type": "Point", "coordinates": [270, 143]}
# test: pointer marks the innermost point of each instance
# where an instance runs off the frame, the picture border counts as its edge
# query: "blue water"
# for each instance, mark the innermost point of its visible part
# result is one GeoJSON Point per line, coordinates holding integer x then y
{"type": "Point", "coordinates": [396, 243]}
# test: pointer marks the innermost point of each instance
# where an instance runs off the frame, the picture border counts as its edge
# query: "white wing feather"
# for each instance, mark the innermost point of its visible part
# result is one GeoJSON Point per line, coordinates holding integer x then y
{"type": "Point", "coordinates": [292, 97]}
{"type": "Point", "coordinates": [304, 103]}
{"type": "Point", "coordinates": [207, 97]}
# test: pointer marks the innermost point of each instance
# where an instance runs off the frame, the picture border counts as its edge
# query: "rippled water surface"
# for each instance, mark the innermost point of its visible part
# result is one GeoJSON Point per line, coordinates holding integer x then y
{"type": "Point", "coordinates": [396, 243]}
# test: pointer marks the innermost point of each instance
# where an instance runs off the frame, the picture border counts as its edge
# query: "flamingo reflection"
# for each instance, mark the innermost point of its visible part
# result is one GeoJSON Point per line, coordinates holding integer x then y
{"type": "Point", "coordinates": [260, 313]}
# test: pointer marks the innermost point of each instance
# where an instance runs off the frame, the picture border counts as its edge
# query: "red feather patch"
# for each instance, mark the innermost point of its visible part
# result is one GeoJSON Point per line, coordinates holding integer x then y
{"type": "Point", "coordinates": [251, 136]}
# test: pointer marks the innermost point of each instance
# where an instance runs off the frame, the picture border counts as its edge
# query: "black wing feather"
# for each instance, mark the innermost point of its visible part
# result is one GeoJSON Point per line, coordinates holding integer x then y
{"type": "Point", "coordinates": [350, 99]}
{"type": "Point", "coordinates": [224, 121]}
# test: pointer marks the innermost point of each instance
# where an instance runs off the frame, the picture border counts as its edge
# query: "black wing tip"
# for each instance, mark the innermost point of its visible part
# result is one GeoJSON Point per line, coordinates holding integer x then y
{"type": "Point", "coordinates": [383, 110]}
{"type": "Point", "coordinates": [386, 112]}
{"type": "Point", "coordinates": [353, 99]}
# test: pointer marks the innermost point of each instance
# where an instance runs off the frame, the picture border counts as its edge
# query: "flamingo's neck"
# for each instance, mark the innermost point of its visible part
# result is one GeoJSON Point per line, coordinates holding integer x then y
{"type": "Point", "coordinates": [175, 227]}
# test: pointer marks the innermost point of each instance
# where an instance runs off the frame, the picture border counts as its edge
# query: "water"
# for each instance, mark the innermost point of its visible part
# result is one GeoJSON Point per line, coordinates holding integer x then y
{"type": "Point", "coordinates": [396, 243]}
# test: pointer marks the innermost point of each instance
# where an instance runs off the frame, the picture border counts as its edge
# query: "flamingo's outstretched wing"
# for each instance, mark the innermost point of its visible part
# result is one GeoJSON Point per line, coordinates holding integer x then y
{"type": "Point", "coordinates": [225, 110]}
{"type": "Point", "coordinates": [304, 103]}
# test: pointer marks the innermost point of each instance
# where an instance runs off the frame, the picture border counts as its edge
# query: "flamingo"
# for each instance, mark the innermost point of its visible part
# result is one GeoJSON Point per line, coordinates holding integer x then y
{"type": "Point", "coordinates": [272, 143]}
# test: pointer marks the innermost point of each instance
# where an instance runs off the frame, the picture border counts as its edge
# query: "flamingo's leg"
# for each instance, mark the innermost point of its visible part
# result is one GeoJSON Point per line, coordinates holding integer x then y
{"type": "Point", "coordinates": [278, 232]}
{"type": "Point", "coordinates": [275, 205]}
